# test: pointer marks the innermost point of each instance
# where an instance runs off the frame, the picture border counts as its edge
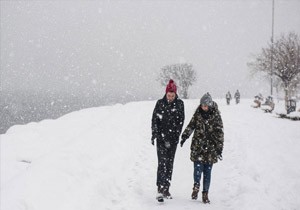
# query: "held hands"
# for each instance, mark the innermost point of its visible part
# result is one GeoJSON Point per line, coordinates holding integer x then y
{"type": "Point", "coordinates": [219, 155]}
{"type": "Point", "coordinates": [152, 139]}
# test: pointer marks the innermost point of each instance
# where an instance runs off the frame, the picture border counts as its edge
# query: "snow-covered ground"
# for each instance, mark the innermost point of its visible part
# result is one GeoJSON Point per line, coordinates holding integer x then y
{"type": "Point", "coordinates": [101, 158]}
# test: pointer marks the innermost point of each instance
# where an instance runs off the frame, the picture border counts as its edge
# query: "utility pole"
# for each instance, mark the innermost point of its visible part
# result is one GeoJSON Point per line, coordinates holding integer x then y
{"type": "Point", "coordinates": [272, 46]}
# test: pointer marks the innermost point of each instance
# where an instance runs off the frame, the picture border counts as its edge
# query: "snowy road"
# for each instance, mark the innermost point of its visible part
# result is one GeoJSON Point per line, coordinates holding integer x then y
{"type": "Point", "coordinates": [101, 158]}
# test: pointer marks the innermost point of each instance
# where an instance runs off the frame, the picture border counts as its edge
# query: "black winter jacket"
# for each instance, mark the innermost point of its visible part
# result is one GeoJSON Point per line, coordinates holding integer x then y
{"type": "Point", "coordinates": [167, 120]}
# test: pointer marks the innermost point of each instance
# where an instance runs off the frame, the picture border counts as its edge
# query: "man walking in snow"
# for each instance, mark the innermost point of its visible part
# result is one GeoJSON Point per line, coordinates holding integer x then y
{"type": "Point", "coordinates": [207, 143]}
{"type": "Point", "coordinates": [228, 97]}
{"type": "Point", "coordinates": [237, 96]}
{"type": "Point", "coordinates": [167, 122]}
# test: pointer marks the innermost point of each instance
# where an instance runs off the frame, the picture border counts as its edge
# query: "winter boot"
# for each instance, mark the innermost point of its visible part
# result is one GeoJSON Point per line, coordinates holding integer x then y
{"type": "Point", "coordinates": [205, 197]}
{"type": "Point", "coordinates": [166, 193]}
{"type": "Point", "coordinates": [195, 191]}
{"type": "Point", "coordinates": [159, 196]}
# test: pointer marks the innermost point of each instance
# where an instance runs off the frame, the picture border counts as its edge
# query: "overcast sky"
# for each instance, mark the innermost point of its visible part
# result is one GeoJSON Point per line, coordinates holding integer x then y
{"type": "Point", "coordinates": [118, 47]}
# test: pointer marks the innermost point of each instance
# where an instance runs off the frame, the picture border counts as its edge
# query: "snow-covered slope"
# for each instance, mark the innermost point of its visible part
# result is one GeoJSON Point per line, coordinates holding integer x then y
{"type": "Point", "coordinates": [101, 158]}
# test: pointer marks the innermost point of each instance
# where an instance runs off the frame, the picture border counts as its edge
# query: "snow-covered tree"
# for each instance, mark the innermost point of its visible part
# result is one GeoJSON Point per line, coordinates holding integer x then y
{"type": "Point", "coordinates": [183, 74]}
{"type": "Point", "coordinates": [286, 62]}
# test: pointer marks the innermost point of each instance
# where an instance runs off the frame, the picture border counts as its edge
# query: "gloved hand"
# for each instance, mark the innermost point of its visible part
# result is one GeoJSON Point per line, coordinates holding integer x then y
{"type": "Point", "coordinates": [220, 157]}
{"type": "Point", "coordinates": [182, 142]}
{"type": "Point", "coordinates": [152, 139]}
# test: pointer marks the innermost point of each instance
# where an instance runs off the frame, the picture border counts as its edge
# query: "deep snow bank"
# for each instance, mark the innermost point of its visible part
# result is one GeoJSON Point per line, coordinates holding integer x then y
{"type": "Point", "coordinates": [101, 158]}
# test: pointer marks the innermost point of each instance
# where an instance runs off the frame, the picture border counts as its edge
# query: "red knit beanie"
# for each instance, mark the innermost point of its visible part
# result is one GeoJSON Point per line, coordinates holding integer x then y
{"type": "Point", "coordinates": [171, 87]}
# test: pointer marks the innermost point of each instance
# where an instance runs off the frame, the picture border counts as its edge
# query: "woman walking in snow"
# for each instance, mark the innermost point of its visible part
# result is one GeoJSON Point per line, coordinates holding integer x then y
{"type": "Point", "coordinates": [167, 122]}
{"type": "Point", "coordinates": [207, 143]}
{"type": "Point", "coordinates": [237, 96]}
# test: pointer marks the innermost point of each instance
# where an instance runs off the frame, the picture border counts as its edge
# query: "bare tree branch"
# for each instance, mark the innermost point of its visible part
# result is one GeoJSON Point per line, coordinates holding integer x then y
{"type": "Point", "coordinates": [183, 74]}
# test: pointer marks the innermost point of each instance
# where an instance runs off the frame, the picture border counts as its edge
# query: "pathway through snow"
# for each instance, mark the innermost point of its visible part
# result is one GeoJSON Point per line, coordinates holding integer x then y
{"type": "Point", "coordinates": [102, 158]}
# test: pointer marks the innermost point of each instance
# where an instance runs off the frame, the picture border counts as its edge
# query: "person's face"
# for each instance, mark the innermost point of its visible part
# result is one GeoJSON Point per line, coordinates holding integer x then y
{"type": "Point", "coordinates": [171, 96]}
{"type": "Point", "coordinates": [204, 107]}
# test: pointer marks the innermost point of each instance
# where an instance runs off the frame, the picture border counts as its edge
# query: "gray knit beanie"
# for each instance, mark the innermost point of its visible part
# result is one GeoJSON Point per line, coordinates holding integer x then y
{"type": "Point", "coordinates": [206, 100]}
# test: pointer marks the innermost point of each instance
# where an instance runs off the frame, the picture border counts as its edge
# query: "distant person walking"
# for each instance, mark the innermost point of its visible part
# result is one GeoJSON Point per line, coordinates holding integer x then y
{"type": "Point", "coordinates": [167, 122]}
{"type": "Point", "coordinates": [237, 96]}
{"type": "Point", "coordinates": [207, 143]}
{"type": "Point", "coordinates": [228, 97]}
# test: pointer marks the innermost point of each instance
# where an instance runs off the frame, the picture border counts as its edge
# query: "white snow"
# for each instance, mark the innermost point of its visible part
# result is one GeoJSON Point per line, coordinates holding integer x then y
{"type": "Point", "coordinates": [102, 158]}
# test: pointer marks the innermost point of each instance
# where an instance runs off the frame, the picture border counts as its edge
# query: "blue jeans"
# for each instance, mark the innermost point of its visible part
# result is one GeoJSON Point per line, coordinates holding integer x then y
{"type": "Point", "coordinates": [200, 168]}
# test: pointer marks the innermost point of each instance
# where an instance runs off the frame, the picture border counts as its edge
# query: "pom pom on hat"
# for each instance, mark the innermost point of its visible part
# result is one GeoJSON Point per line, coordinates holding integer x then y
{"type": "Point", "coordinates": [171, 87]}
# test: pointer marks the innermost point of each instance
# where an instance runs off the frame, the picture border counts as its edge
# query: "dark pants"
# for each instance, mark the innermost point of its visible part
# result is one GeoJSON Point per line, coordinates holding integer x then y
{"type": "Point", "coordinates": [200, 168]}
{"type": "Point", "coordinates": [228, 101]}
{"type": "Point", "coordinates": [165, 164]}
